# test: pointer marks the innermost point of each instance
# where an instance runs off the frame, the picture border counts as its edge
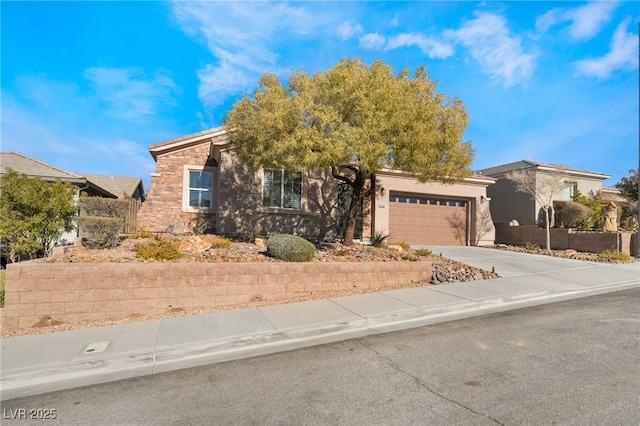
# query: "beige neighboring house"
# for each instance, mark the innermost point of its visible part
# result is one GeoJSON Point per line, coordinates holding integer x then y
{"type": "Point", "coordinates": [508, 205]}
{"type": "Point", "coordinates": [201, 186]}
{"type": "Point", "coordinates": [32, 167]}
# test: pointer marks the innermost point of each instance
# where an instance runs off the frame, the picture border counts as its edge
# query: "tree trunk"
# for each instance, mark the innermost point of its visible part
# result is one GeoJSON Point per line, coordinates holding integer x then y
{"type": "Point", "coordinates": [548, 223]}
{"type": "Point", "coordinates": [352, 215]}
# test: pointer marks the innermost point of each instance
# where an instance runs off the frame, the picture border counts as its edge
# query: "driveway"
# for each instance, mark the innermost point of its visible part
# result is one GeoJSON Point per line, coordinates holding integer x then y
{"type": "Point", "coordinates": [508, 263]}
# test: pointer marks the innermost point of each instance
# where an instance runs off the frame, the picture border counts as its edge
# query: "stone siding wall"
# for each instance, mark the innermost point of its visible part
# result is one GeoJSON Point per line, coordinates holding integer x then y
{"type": "Point", "coordinates": [565, 238]}
{"type": "Point", "coordinates": [40, 294]}
{"type": "Point", "coordinates": [162, 209]}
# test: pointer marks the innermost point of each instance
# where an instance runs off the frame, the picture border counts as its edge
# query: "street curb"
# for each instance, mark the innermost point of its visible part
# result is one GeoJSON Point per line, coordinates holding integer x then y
{"type": "Point", "coordinates": [27, 382]}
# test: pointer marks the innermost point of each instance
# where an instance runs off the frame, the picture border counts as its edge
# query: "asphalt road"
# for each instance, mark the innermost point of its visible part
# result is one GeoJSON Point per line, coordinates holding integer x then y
{"type": "Point", "coordinates": [569, 363]}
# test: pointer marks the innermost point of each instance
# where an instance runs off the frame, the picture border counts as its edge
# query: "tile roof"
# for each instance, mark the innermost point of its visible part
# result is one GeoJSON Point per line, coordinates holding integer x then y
{"type": "Point", "coordinates": [117, 184]}
{"type": "Point", "coordinates": [204, 133]}
{"type": "Point", "coordinates": [31, 167]}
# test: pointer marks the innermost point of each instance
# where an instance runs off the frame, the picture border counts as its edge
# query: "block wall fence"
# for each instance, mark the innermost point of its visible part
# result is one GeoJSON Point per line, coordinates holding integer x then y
{"type": "Point", "coordinates": [40, 294]}
{"type": "Point", "coordinates": [565, 238]}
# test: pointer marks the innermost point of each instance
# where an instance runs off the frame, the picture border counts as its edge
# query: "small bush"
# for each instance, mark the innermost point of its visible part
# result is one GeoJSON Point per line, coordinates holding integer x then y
{"type": "Point", "coordinates": [290, 248]}
{"type": "Point", "coordinates": [571, 214]}
{"type": "Point", "coordinates": [104, 207]}
{"type": "Point", "coordinates": [404, 245]}
{"type": "Point", "coordinates": [158, 250]}
{"type": "Point", "coordinates": [410, 257]}
{"type": "Point", "coordinates": [102, 232]}
{"type": "Point", "coordinates": [614, 256]}
{"type": "Point", "coordinates": [532, 247]}
{"type": "Point", "coordinates": [423, 252]}
{"type": "Point", "coordinates": [220, 242]}
{"type": "Point", "coordinates": [379, 239]}
{"type": "Point", "coordinates": [343, 252]}
{"type": "Point", "coordinates": [142, 234]}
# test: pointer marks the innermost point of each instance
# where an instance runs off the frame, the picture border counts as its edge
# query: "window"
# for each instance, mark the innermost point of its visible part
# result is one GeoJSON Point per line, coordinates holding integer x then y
{"type": "Point", "coordinates": [198, 188]}
{"type": "Point", "coordinates": [282, 189]}
{"type": "Point", "coordinates": [569, 191]}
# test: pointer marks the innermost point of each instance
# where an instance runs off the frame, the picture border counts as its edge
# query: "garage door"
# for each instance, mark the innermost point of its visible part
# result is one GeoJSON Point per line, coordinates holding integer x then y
{"type": "Point", "coordinates": [427, 220]}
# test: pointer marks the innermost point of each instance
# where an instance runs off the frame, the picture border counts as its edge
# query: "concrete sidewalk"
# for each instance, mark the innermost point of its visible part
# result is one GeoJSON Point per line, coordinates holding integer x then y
{"type": "Point", "coordinates": [43, 363]}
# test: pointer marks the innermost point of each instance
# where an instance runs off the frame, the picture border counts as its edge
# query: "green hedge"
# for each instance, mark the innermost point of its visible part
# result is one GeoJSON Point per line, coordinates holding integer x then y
{"type": "Point", "coordinates": [101, 220]}
{"type": "Point", "coordinates": [102, 231]}
{"type": "Point", "coordinates": [290, 248]}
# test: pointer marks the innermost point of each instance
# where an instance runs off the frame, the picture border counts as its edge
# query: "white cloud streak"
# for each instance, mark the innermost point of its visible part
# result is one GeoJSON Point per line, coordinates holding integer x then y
{"type": "Point", "coordinates": [499, 54]}
{"type": "Point", "coordinates": [128, 93]}
{"type": "Point", "coordinates": [347, 30]}
{"type": "Point", "coordinates": [241, 37]}
{"type": "Point", "coordinates": [428, 45]}
{"type": "Point", "coordinates": [585, 21]}
{"type": "Point", "coordinates": [622, 55]}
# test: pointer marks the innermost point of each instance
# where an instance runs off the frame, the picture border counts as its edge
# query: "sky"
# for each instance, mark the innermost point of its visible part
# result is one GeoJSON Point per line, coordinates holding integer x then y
{"type": "Point", "coordinates": [88, 86]}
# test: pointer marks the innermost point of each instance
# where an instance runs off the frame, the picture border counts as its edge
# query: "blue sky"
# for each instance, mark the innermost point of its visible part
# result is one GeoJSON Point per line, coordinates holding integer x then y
{"type": "Point", "coordinates": [89, 85]}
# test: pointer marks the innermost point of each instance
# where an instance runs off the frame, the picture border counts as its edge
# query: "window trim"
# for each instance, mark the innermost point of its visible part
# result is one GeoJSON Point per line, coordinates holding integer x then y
{"type": "Point", "coordinates": [185, 188]}
{"type": "Point", "coordinates": [281, 208]}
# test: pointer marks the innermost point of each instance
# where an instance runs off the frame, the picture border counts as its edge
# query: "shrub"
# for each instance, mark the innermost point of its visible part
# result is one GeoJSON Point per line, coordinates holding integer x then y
{"type": "Point", "coordinates": [290, 248]}
{"type": "Point", "coordinates": [102, 231]}
{"type": "Point", "coordinates": [614, 256]}
{"type": "Point", "coordinates": [158, 250]}
{"type": "Point", "coordinates": [404, 245]}
{"type": "Point", "coordinates": [596, 205]}
{"type": "Point", "coordinates": [142, 234]}
{"type": "Point", "coordinates": [423, 252]}
{"type": "Point", "coordinates": [572, 214]}
{"type": "Point", "coordinates": [104, 207]}
{"type": "Point", "coordinates": [379, 238]}
{"type": "Point", "coordinates": [102, 220]}
{"type": "Point", "coordinates": [220, 242]}
{"type": "Point", "coordinates": [532, 247]}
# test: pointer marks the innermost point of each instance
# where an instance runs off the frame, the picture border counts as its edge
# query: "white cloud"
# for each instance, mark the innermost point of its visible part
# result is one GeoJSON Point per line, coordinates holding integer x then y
{"type": "Point", "coordinates": [242, 38]}
{"type": "Point", "coordinates": [372, 41]}
{"type": "Point", "coordinates": [347, 30]}
{"type": "Point", "coordinates": [499, 54]}
{"type": "Point", "coordinates": [623, 55]}
{"type": "Point", "coordinates": [429, 46]}
{"type": "Point", "coordinates": [219, 82]}
{"type": "Point", "coordinates": [585, 21]}
{"type": "Point", "coordinates": [129, 93]}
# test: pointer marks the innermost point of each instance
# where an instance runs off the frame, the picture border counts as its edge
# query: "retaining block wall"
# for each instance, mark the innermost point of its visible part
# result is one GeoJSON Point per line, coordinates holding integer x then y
{"type": "Point", "coordinates": [39, 294]}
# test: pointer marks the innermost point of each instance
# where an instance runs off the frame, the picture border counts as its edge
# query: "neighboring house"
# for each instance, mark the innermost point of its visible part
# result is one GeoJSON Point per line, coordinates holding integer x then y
{"type": "Point", "coordinates": [89, 184]}
{"type": "Point", "coordinates": [201, 186]}
{"type": "Point", "coordinates": [32, 167]}
{"type": "Point", "coordinates": [122, 186]}
{"type": "Point", "coordinates": [507, 204]}
{"type": "Point", "coordinates": [129, 188]}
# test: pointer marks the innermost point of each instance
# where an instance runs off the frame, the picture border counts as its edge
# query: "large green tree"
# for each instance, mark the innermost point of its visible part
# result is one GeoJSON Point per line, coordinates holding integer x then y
{"type": "Point", "coordinates": [628, 185]}
{"type": "Point", "coordinates": [354, 120]}
{"type": "Point", "coordinates": [34, 213]}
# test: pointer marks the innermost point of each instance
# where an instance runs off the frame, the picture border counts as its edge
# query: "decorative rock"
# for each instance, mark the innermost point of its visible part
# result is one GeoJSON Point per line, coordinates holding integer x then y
{"type": "Point", "coordinates": [394, 247]}
{"type": "Point", "coordinates": [193, 245]}
{"type": "Point", "coordinates": [260, 242]}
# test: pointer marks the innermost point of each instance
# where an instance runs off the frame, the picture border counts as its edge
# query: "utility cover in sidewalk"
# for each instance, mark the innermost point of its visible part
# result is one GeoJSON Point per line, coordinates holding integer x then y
{"type": "Point", "coordinates": [97, 347]}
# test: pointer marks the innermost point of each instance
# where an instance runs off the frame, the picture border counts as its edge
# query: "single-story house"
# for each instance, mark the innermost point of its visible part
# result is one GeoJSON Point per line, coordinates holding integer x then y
{"type": "Point", "coordinates": [122, 186]}
{"type": "Point", "coordinates": [91, 185]}
{"type": "Point", "coordinates": [32, 167]}
{"type": "Point", "coordinates": [508, 204]}
{"type": "Point", "coordinates": [200, 185]}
